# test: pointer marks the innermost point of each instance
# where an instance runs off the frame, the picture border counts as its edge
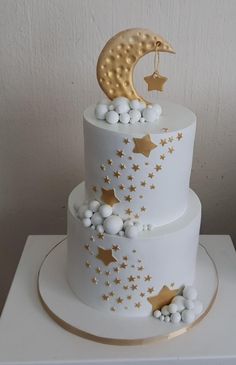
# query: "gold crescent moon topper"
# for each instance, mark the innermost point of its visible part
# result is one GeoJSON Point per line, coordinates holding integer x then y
{"type": "Point", "coordinates": [119, 56]}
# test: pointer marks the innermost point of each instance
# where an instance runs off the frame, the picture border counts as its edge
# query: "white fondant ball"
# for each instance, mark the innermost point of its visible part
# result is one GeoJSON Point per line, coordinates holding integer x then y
{"type": "Point", "coordinates": [157, 314]}
{"type": "Point", "coordinates": [165, 310]}
{"type": "Point", "coordinates": [188, 316]}
{"type": "Point", "coordinates": [175, 317]}
{"type": "Point", "coordinates": [162, 318]}
{"type": "Point", "coordinates": [121, 233]}
{"type": "Point", "coordinates": [111, 107]}
{"type": "Point", "coordinates": [135, 115]}
{"type": "Point", "coordinates": [105, 210]}
{"type": "Point", "coordinates": [119, 100]}
{"type": "Point", "coordinates": [112, 117]}
{"type": "Point", "coordinates": [113, 224]}
{"type": "Point", "coordinates": [172, 308]}
{"type": "Point", "coordinates": [128, 223]}
{"type": "Point", "coordinates": [157, 109]}
{"type": "Point", "coordinates": [179, 301]}
{"type": "Point", "coordinates": [96, 219]}
{"type": "Point", "coordinates": [86, 222]}
{"type": "Point", "coordinates": [131, 231]}
{"type": "Point", "coordinates": [122, 108]}
{"type": "Point", "coordinates": [82, 210]}
{"type": "Point", "coordinates": [189, 304]}
{"type": "Point", "coordinates": [149, 114]}
{"type": "Point", "coordinates": [142, 120]}
{"type": "Point", "coordinates": [88, 213]}
{"type": "Point", "coordinates": [94, 205]}
{"type": "Point", "coordinates": [190, 292]}
{"type": "Point", "coordinates": [100, 228]}
{"type": "Point", "coordinates": [134, 104]}
{"type": "Point", "coordinates": [198, 307]}
{"type": "Point", "coordinates": [167, 319]}
{"type": "Point", "coordinates": [100, 111]}
{"type": "Point", "coordinates": [124, 118]}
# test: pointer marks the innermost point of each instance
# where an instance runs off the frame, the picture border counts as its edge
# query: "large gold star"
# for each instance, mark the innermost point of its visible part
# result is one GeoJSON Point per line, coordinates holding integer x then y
{"type": "Point", "coordinates": [164, 297]}
{"type": "Point", "coordinates": [155, 81]}
{"type": "Point", "coordinates": [105, 256]}
{"type": "Point", "coordinates": [144, 145]}
{"type": "Point", "coordinates": [109, 196]}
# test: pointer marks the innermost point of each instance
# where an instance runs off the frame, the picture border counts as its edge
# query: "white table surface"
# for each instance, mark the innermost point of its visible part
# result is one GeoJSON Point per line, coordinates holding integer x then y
{"type": "Point", "coordinates": [29, 336]}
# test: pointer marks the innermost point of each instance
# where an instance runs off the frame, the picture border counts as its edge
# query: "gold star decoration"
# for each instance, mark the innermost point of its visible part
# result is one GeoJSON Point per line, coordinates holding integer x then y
{"type": "Point", "coordinates": [92, 239]}
{"type": "Point", "coordinates": [170, 139]}
{"type": "Point", "coordinates": [109, 162]}
{"type": "Point", "coordinates": [105, 256]}
{"type": "Point", "coordinates": [142, 294]}
{"type": "Point", "coordinates": [107, 180]}
{"type": "Point", "coordinates": [121, 187]}
{"type": "Point", "coordinates": [171, 150]}
{"type": "Point", "coordinates": [125, 287]}
{"type": "Point", "coordinates": [122, 166]}
{"type": "Point", "coordinates": [155, 81]}
{"type": "Point", "coordinates": [119, 300]}
{"type": "Point", "coordinates": [132, 188]}
{"type": "Point", "coordinates": [123, 265]}
{"type": "Point", "coordinates": [179, 136]}
{"type": "Point", "coordinates": [125, 258]}
{"type": "Point", "coordinates": [158, 168]}
{"type": "Point", "coordinates": [128, 211]}
{"type": "Point", "coordinates": [164, 297]}
{"type": "Point", "coordinates": [143, 209]}
{"type": "Point", "coordinates": [129, 297]}
{"type": "Point", "coordinates": [136, 216]}
{"type": "Point", "coordinates": [144, 145]}
{"type": "Point", "coordinates": [100, 236]}
{"type": "Point", "coordinates": [151, 175]}
{"type": "Point", "coordinates": [162, 157]}
{"type": "Point", "coordinates": [103, 167]}
{"type": "Point", "coordinates": [128, 198]}
{"type": "Point", "coordinates": [116, 269]}
{"type": "Point", "coordinates": [152, 187]}
{"type": "Point", "coordinates": [117, 281]}
{"type": "Point", "coordinates": [105, 297]}
{"type": "Point", "coordinates": [126, 140]}
{"type": "Point", "coordinates": [135, 167]}
{"type": "Point", "coordinates": [130, 177]}
{"type": "Point", "coordinates": [138, 305]}
{"type": "Point", "coordinates": [120, 153]}
{"type": "Point", "coordinates": [163, 142]}
{"type": "Point", "coordinates": [131, 278]}
{"type": "Point", "coordinates": [143, 183]}
{"type": "Point", "coordinates": [140, 268]}
{"type": "Point", "coordinates": [116, 174]}
{"type": "Point", "coordinates": [151, 290]}
{"type": "Point", "coordinates": [115, 247]}
{"type": "Point", "coordinates": [109, 196]}
{"type": "Point", "coordinates": [134, 287]}
{"type": "Point", "coordinates": [147, 278]}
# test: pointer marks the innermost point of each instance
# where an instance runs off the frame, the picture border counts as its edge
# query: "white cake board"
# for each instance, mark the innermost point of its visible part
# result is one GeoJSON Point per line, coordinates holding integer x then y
{"type": "Point", "coordinates": [69, 312]}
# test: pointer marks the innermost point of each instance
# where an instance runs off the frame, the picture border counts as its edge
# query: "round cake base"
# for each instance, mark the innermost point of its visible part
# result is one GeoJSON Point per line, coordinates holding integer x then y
{"type": "Point", "coordinates": [69, 312]}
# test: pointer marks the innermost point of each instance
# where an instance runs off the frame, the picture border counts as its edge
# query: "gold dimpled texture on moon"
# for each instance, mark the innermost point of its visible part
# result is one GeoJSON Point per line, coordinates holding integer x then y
{"type": "Point", "coordinates": [118, 58]}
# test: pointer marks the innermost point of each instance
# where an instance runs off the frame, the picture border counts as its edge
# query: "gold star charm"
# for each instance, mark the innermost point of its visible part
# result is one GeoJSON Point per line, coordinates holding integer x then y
{"type": "Point", "coordinates": [151, 175]}
{"type": "Point", "coordinates": [105, 256]}
{"type": "Point", "coordinates": [121, 187]}
{"type": "Point", "coordinates": [115, 247]}
{"type": "Point", "coordinates": [131, 278]}
{"type": "Point", "coordinates": [120, 300]}
{"type": "Point", "coordinates": [120, 153]}
{"type": "Point", "coordinates": [162, 157]}
{"type": "Point", "coordinates": [109, 196]}
{"type": "Point", "coordinates": [128, 198]}
{"type": "Point", "coordinates": [109, 162]}
{"type": "Point", "coordinates": [107, 180]}
{"type": "Point", "coordinates": [164, 297]}
{"type": "Point", "coordinates": [163, 142]}
{"type": "Point", "coordinates": [123, 266]}
{"type": "Point", "coordinates": [155, 81]}
{"type": "Point", "coordinates": [134, 287]}
{"type": "Point", "coordinates": [144, 145]}
{"type": "Point", "coordinates": [179, 136]}
{"type": "Point", "coordinates": [158, 168]}
{"type": "Point", "coordinates": [140, 268]}
{"type": "Point", "coordinates": [143, 209]}
{"type": "Point", "coordinates": [132, 188]}
{"type": "Point", "coordinates": [137, 305]}
{"type": "Point", "coordinates": [122, 166]}
{"type": "Point", "coordinates": [171, 150]}
{"type": "Point", "coordinates": [105, 297]}
{"type": "Point", "coordinates": [135, 167]}
{"type": "Point", "coordinates": [125, 287]}
{"type": "Point", "coordinates": [116, 174]}
{"type": "Point", "coordinates": [126, 140]}
{"type": "Point", "coordinates": [117, 281]}
{"type": "Point", "coordinates": [130, 177]}
{"type": "Point", "coordinates": [128, 211]}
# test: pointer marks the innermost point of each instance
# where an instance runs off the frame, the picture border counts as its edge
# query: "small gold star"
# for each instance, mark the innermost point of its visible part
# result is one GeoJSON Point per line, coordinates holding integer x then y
{"type": "Point", "coordinates": [109, 196]}
{"type": "Point", "coordinates": [135, 167]}
{"type": "Point", "coordinates": [119, 300]}
{"type": "Point", "coordinates": [144, 145]}
{"type": "Point", "coordinates": [128, 198]}
{"type": "Point", "coordinates": [100, 236]}
{"type": "Point", "coordinates": [126, 140]}
{"type": "Point", "coordinates": [121, 187]}
{"type": "Point", "coordinates": [143, 183]}
{"type": "Point", "coordinates": [165, 130]}
{"type": "Point", "coordinates": [123, 265]}
{"type": "Point", "coordinates": [170, 139]}
{"type": "Point", "coordinates": [130, 177]}
{"type": "Point", "coordinates": [98, 270]}
{"type": "Point", "coordinates": [163, 142]}
{"type": "Point", "coordinates": [125, 287]}
{"type": "Point", "coordinates": [122, 166]}
{"type": "Point", "coordinates": [115, 247]}
{"type": "Point", "coordinates": [107, 180]}
{"type": "Point", "coordinates": [150, 290]}
{"type": "Point", "coordinates": [143, 209]}
{"type": "Point", "coordinates": [120, 153]}
{"type": "Point", "coordinates": [142, 294]}
{"type": "Point", "coordinates": [125, 258]}
{"type": "Point", "coordinates": [105, 256]}
{"type": "Point", "coordinates": [129, 297]}
{"type": "Point", "coordinates": [111, 293]}
{"type": "Point", "coordinates": [171, 150]}
{"type": "Point", "coordinates": [113, 309]}
{"type": "Point", "coordinates": [94, 188]}
{"type": "Point", "coordinates": [116, 269]}
{"type": "Point", "coordinates": [179, 136]}
{"type": "Point", "coordinates": [103, 167]}
{"type": "Point", "coordinates": [155, 81]}
{"type": "Point", "coordinates": [158, 167]}
{"type": "Point", "coordinates": [132, 188]}
{"type": "Point", "coordinates": [117, 281]}
{"type": "Point", "coordinates": [86, 247]}
{"type": "Point", "coordinates": [87, 264]}
{"type": "Point", "coordinates": [164, 297]}
{"type": "Point", "coordinates": [128, 211]}
{"type": "Point", "coordinates": [136, 216]}
{"type": "Point", "coordinates": [109, 162]}
{"type": "Point", "coordinates": [137, 305]}
{"type": "Point", "coordinates": [151, 175]}
{"type": "Point", "coordinates": [134, 287]}
{"type": "Point", "coordinates": [107, 283]}
{"type": "Point", "coordinates": [94, 280]}
{"type": "Point", "coordinates": [162, 157]}
{"type": "Point", "coordinates": [131, 278]}
{"type": "Point", "coordinates": [107, 273]}
{"type": "Point", "coordinates": [116, 174]}
{"type": "Point", "coordinates": [105, 297]}
{"type": "Point", "coordinates": [147, 278]}
{"type": "Point", "coordinates": [152, 187]}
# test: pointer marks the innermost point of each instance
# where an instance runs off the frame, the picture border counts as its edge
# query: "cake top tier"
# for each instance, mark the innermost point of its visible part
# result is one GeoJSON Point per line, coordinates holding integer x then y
{"type": "Point", "coordinates": [173, 118]}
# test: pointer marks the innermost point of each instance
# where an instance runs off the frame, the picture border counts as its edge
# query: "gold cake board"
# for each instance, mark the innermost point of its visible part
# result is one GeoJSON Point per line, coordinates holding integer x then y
{"type": "Point", "coordinates": [74, 316]}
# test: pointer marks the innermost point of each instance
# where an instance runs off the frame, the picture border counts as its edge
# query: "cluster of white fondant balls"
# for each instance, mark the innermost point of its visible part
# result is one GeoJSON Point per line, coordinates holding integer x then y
{"type": "Point", "coordinates": [183, 308]}
{"type": "Point", "coordinates": [125, 111]}
{"type": "Point", "coordinates": [101, 218]}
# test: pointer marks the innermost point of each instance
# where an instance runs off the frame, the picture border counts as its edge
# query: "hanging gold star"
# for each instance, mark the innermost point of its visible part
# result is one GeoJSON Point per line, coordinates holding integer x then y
{"type": "Point", "coordinates": [136, 216]}
{"type": "Point", "coordinates": [107, 273]}
{"type": "Point", "coordinates": [113, 309]}
{"type": "Point", "coordinates": [125, 258]}
{"type": "Point", "coordinates": [111, 293]}
{"type": "Point", "coordinates": [158, 168]}
{"type": "Point", "coordinates": [115, 247]}
{"type": "Point", "coordinates": [132, 188]}
{"type": "Point", "coordinates": [135, 167]}
{"type": "Point", "coordinates": [107, 283]}
{"type": "Point", "coordinates": [131, 278]}
{"type": "Point", "coordinates": [155, 81]}
{"type": "Point", "coordinates": [171, 150]}
{"type": "Point", "coordinates": [109, 162]}
{"type": "Point", "coordinates": [105, 297]}
{"type": "Point", "coordinates": [170, 139]}
{"type": "Point", "coordinates": [126, 140]}
{"type": "Point", "coordinates": [109, 196]}
{"type": "Point", "coordinates": [86, 247]}
{"type": "Point", "coordinates": [121, 187]}
{"type": "Point", "coordinates": [120, 153]}
{"type": "Point", "coordinates": [179, 136]}
{"type": "Point", "coordinates": [107, 180]}
{"type": "Point", "coordinates": [147, 278]}
{"type": "Point", "coordinates": [151, 175]}
{"type": "Point", "coordinates": [116, 269]}
{"type": "Point", "coordinates": [128, 211]}
{"type": "Point", "coordinates": [164, 297]}
{"type": "Point", "coordinates": [162, 157]}
{"type": "Point", "coordinates": [105, 256]}
{"type": "Point", "coordinates": [122, 166]}
{"type": "Point", "coordinates": [144, 145]}
{"type": "Point", "coordinates": [117, 281]}
{"type": "Point", "coordinates": [134, 287]}
{"type": "Point", "coordinates": [163, 142]}
{"type": "Point", "coordinates": [100, 236]}
{"type": "Point", "coordinates": [128, 198]}
{"type": "Point", "coordinates": [116, 174]}
{"type": "Point", "coordinates": [130, 158]}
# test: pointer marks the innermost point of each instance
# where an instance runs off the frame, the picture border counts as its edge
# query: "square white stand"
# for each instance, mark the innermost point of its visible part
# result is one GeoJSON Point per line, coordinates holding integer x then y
{"type": "Point", "coordinates": [29, 336]}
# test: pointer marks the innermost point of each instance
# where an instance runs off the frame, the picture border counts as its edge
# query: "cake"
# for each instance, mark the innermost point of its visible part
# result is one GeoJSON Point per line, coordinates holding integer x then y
{"type": "Point", "coordinates": [133, 224]}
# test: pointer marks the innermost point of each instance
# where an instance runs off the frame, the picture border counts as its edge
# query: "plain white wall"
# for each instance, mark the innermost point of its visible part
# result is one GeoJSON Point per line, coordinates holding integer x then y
{"type": "Point", "coordinates": [48, 54]}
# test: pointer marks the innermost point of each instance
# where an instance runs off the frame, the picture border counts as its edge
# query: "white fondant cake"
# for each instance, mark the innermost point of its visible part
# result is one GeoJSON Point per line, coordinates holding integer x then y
{"type": "Point", "coordinates": [142, 172]}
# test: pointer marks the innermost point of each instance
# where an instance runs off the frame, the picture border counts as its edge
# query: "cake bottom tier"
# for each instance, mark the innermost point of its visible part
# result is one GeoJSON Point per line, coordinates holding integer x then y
{"type": "Point", "coordinates": [119, 275]}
